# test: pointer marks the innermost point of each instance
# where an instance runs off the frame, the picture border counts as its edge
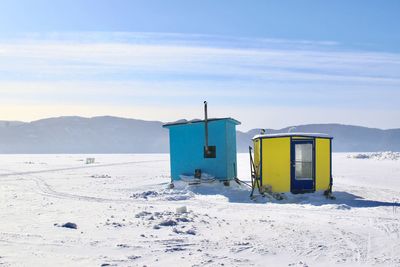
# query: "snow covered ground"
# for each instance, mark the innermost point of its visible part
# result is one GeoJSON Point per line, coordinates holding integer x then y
{"type": "Point", "coordinates": [126, 216]}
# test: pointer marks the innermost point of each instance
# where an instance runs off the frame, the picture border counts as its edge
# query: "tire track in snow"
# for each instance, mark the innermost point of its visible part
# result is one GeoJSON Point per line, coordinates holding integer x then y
{"type": "Point", "coordinates": [46, 190]}
{"type": "Point", "coordinates": [16, 173]}
{"type": "Point", "coordinates": [390, 228]}
{"type": "Point", "coordinates": [369, 241]}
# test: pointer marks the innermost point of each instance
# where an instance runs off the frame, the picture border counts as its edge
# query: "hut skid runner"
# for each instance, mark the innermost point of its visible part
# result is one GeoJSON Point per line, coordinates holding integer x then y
{"type": "Point", "coordinates": [205, 151]}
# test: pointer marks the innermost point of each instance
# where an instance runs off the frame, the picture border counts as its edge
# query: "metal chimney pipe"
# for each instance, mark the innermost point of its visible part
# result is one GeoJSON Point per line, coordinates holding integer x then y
{"type": "Point", "coordinates": [206, 126]}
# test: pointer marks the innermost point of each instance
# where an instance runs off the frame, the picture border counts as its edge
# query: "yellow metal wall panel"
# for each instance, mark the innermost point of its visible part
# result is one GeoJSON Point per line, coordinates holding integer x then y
{"type": "Point", "coordinates": [276, 163]}
{"type": "Point", "coordinates": [322, 164]}
{"type": "Point", "coordinates": [257, 153]}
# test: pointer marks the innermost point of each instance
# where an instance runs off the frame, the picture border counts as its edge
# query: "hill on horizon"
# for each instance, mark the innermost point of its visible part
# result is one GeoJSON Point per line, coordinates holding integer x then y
{"type": "Point", "coordinates": [107, 134]}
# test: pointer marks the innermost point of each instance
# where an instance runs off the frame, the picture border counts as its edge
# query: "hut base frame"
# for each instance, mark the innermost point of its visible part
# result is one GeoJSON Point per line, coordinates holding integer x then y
{"type": "Point", "coordinates": [255, 178]}
{"type": "Point", "coordinates": [256, 182]}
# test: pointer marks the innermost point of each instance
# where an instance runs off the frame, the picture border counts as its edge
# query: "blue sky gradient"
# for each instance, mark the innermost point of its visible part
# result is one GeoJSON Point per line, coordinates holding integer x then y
{"type": "Point", "coordinates": [267, 63]}
{"type": "Point", "coordinates": [359, 23]}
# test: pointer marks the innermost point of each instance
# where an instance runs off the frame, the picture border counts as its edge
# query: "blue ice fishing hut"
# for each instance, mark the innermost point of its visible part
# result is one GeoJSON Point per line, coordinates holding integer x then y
{"type": "Point", "coordinates": [205, 146]}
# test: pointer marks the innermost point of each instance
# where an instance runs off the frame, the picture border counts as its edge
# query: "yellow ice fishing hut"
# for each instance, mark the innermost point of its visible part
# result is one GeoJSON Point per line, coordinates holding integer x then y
{"type": "Point", "coordinates": [293, 162]}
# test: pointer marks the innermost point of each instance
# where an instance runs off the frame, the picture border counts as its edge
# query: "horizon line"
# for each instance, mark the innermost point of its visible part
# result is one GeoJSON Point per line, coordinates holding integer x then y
{"type": "Point", "coordinates": [160, 121]}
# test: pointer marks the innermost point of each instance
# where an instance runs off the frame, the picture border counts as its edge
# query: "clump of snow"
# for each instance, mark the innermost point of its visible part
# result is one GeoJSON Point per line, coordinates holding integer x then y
{"type": "Point", "coordinates": [115, 224]}
{"type": "Point", "coordinates": [100, 176]}
{"type": "Point", "coordinates": [164, 194]}
{"type": "Point", "coordinates": [187, 232]}
{"type": "Point", "coordinates": [191, 232]}
{"type": "Point", "coordinates": [182, 223]}
{"type": "Point", "coordinates": [182, 209]}
{"type": "Point", "coordinates": [168, 223]}
{"type": "Point", "coordinates": [123, 246]}
{"type": "Point", "coordinates": [298, 264]}
{"type": "Point", "coordinates": [69, 225]}
{"type": "Point", "coordinates": [183, 219]}
{"type": "Point", "coordinates": [134, 257]}
{"type": "Point", "coordinates": [142, 214]}
{"type": "Point", "coordinates": [385, 155]}
{"type": "Point", "coordinates": [343, 207]}
{"type": "Point", "coordinates": [359, 156]}
{"type": "Point", "coordinates": [145, 194]}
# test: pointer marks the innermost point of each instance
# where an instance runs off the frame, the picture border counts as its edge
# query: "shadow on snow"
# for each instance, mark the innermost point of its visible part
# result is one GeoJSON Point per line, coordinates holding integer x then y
{"type": "Point", "coordinates": [241, 194]}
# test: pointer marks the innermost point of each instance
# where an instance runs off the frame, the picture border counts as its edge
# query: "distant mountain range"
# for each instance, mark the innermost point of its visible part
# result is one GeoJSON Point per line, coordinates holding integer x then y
{"type": "Point", "coordinates": [347, 138]}
{"type": "Point", "coordinates": [119, 135]}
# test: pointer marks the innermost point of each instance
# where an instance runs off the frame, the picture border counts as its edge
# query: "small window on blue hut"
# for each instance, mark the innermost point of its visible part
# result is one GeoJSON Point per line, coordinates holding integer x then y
{"type": "Point", "coordinates": [211, 152]}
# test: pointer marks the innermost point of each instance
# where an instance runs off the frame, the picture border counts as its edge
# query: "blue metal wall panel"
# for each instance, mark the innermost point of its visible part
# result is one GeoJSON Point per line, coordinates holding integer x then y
{"type": "Point", "coordinates": [231, 160]}
{"type": "Point", "coordinates": [187, 149]}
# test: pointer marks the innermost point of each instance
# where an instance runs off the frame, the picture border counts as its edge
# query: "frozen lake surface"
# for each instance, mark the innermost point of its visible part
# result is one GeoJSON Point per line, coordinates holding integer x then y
{"type": "Point", "coordinates": [126, 216]}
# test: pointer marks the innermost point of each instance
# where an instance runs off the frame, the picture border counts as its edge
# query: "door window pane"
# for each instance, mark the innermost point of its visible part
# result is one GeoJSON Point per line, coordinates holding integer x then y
{"type": "Point", "coordinates": [304, 161]}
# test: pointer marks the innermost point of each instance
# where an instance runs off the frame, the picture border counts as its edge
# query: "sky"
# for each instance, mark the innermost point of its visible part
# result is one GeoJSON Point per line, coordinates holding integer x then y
{"type": "Point", "coordinates": [269, 64]}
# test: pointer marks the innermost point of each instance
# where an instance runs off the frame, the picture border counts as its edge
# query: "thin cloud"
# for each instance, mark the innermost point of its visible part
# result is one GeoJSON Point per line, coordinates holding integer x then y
{"type": "Point", "coordinates": [111, 60]}
{"type": "Point", "coordinates": [121, 69]}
